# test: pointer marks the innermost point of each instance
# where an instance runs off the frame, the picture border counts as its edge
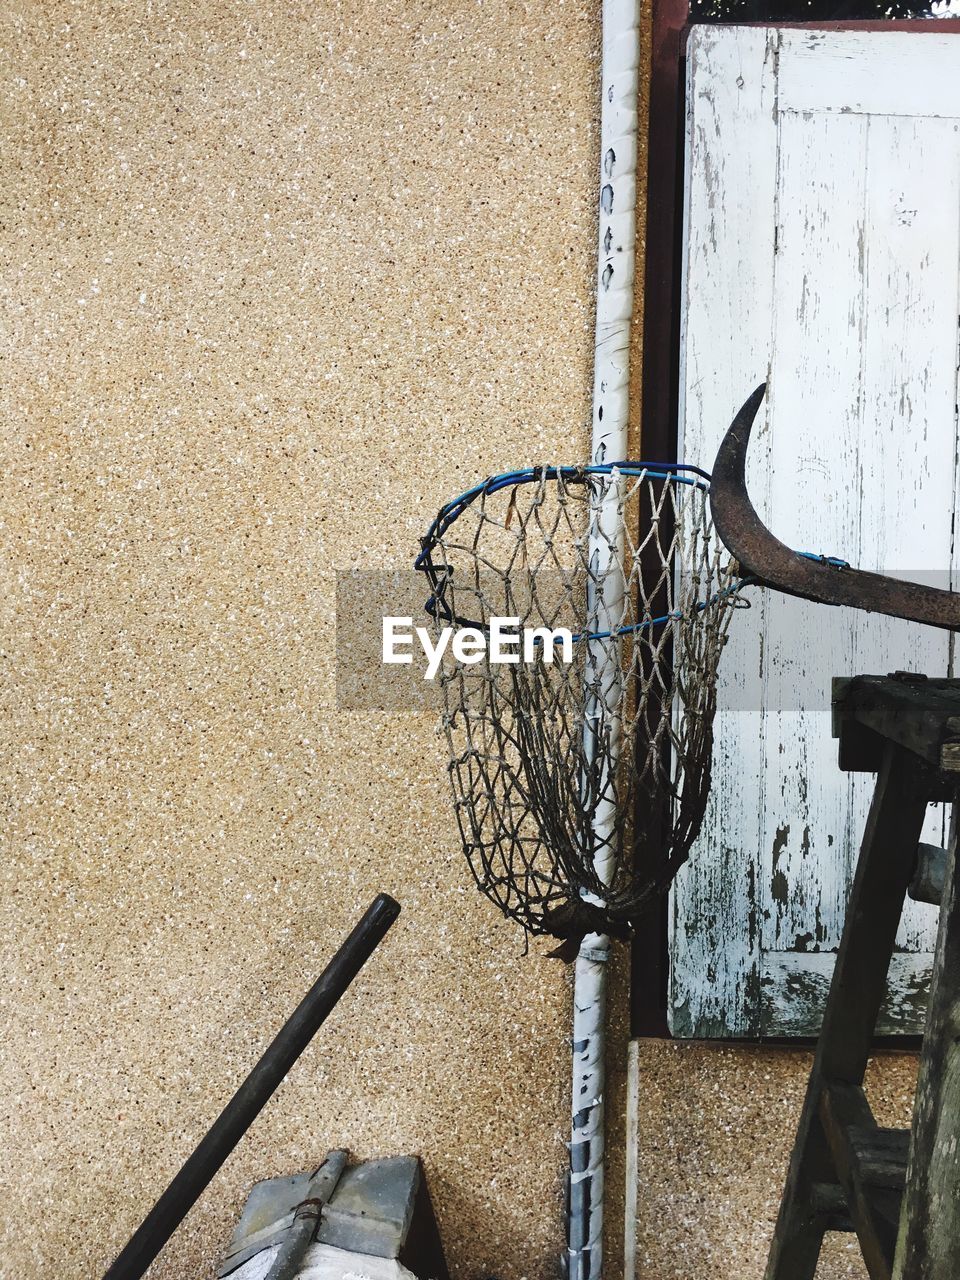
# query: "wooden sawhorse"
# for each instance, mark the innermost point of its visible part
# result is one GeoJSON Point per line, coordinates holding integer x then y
{"type": "Point", "coordinates": [899, 1190]}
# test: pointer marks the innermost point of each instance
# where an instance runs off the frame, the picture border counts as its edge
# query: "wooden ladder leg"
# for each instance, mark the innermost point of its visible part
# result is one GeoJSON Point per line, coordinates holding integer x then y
{"type": "Point", "coordinates": [813, 1200]}
{"type": "Point", "coordinates": [928, 1246]}
{"type": "Point", "coordinates": [805, 1209]}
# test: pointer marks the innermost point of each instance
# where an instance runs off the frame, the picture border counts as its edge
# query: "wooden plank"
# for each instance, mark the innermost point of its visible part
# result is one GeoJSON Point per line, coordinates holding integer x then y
{"type": "Point", "coordinates": [855, 1143]}
{"type": "Point", "coordinates": [795, 986]}
{"type": "Point", "coordinates": [860, 749]}
{"type": "Point", "coordinates": [908, 391]}
{"type": "Point", "coordinates": [881, 1156]}
{"type": "Point", "coordinates": [918, 716]}
{"type": "Point", "coordinates": [929, 1245]}
{"type": "Point", "coordinates": [726, 290]}
{"type": "Point", "coordinates": [880, 885]}
{"type": "Point", "coordinates": [828, 1205]}
{"type": "Point", "coordinates": [854, 260]}
{"type": "Point", "coordinates": [871, 73]}
{"type": "Point", "coordinates": [909, 377]}
{"type": "Point", "coordinates": [809, 829]}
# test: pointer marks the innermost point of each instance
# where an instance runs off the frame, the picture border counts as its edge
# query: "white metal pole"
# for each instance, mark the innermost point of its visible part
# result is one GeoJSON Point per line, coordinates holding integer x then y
{"type": "Point", "coordinates": [615, 276]}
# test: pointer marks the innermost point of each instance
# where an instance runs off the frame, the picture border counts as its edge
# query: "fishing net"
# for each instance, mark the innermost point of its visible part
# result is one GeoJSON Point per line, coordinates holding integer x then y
{"type": "Point", "coordinates": [580, 770]}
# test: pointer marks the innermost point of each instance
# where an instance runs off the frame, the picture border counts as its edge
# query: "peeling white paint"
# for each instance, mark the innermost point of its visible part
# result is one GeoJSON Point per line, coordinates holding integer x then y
{"type": "Point", "coordinates": [822, 243]}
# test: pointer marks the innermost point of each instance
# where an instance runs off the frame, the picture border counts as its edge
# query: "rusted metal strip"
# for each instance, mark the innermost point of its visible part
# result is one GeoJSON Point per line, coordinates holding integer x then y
{"type": "Point", "coordinates": [771, 563]}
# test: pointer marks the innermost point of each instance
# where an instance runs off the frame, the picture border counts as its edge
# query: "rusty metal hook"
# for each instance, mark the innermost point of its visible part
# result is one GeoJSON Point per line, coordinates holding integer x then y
{"type": "Point", "coordinates": [771, 563]}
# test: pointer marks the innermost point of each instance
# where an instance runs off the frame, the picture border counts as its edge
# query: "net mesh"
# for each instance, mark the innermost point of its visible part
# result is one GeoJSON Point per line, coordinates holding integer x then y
{"type": "Point", "coordinates": [581, 785]}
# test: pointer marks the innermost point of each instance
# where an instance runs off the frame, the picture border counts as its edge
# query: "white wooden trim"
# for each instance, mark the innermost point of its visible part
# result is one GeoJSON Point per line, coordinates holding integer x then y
{"type": "Point", "coordinates": [885, 73]}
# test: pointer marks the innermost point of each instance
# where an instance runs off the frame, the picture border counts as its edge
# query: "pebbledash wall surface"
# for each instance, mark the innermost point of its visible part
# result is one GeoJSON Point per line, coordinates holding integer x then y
{"type": "Point", "coordinates": [278, 280]}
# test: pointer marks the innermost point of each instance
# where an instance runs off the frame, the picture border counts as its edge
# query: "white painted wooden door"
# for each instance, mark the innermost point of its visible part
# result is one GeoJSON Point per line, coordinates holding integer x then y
{"type": "Point", "coordinates": [822, 252]}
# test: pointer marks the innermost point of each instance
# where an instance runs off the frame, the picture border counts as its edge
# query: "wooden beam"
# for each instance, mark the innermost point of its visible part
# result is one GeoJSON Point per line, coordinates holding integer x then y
{"type": "Point", "coordinates": [873, 914]}
{"type": "Point", "coordinates": [917, 713]}
{"type": "Point", "coordinates": [929, 1245]}
{"type": "Point", "coordinates": [871, 1166]}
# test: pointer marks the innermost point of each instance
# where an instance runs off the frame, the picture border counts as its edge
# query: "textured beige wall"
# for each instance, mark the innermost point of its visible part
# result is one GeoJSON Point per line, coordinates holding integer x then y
{"type": "Point", "coordinates": [246, 252]}
{"type": "Point", "coordinates": [277, 280]}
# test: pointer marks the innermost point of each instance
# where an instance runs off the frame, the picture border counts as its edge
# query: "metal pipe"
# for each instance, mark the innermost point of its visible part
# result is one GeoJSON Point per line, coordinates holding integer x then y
{"type": "Point", "coordinates": [615, 278]}
{"type": "Point", "coordinates": [249, 1100]}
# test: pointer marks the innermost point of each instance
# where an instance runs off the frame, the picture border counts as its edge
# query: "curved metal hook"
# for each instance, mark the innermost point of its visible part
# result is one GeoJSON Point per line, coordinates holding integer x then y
{"type": "Point", "coordinates": [771, 563]}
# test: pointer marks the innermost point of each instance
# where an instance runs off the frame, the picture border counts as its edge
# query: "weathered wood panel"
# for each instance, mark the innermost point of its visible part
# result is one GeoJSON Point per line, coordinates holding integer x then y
{"type": "Point", "coordinates": [795, 987]}
{"type": "Point", "coordinates": [807, 833]}
{"type": "Point", "coordinates": [856, 323]}
{"type": "Point", "coordinates": [870, 73]}
{"type": "Point", "coordinates": [715, 973]}
{"type": "Point", "coordinates": [908, 389]}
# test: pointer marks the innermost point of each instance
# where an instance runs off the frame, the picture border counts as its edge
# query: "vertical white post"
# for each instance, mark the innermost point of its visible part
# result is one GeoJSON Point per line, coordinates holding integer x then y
{"type": "Point", "coordinates": [615, 276]}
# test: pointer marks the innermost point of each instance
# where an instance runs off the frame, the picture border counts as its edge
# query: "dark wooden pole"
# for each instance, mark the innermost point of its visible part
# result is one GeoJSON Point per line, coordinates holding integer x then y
{"type": "Point", "coordinates": [873, 912]}
{"type": "Point", "coordinates": [249, 1100]}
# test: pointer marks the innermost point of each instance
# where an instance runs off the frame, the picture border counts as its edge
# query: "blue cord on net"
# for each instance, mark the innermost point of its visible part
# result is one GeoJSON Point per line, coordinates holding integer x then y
{"type": "Point", "coordinates": [679, 472]}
